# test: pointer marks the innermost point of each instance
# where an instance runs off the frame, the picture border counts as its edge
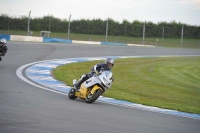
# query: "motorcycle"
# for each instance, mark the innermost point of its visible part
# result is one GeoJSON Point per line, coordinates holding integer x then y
{"type": "Point", "coordinates": [91, 89]}
{"type": "Point", "coordinates": [3, 47]}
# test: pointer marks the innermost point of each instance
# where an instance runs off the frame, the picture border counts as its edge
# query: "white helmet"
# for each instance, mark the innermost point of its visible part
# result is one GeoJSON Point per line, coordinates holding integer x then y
{"type": "Point", "coordinates": [3, 41]}
{"type": "Point", "coordinates": [109, 61]}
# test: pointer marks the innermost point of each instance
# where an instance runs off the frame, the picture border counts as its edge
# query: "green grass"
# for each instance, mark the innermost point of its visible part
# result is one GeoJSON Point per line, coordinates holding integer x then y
{"type": "Point", "coordinates": [166, 42]}
{"type": "Point", "coordinates": [166, 82]}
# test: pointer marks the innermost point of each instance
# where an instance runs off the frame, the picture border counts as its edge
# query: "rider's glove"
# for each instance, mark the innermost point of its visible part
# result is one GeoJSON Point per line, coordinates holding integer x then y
{"type": "Point", "coordinates": [96, 72]}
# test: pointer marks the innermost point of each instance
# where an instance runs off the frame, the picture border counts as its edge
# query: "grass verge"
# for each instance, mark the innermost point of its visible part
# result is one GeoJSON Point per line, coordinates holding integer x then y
{"type": "Point", "coordinates": [166, 82]}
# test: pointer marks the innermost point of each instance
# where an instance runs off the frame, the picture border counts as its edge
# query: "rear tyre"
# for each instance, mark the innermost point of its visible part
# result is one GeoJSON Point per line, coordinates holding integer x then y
{"type": "Point", "coordinates": [71, 94]}
{"type": "Point", "coordinates": [90, 98]}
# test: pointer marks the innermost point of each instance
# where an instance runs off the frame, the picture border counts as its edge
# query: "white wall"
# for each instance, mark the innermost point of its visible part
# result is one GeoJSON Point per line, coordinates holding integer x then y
{"type": "Point", "coordinates": [26, 38]}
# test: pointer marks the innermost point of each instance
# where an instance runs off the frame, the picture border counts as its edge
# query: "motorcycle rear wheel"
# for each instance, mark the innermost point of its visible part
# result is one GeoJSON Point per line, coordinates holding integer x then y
{"type": "Point", "coordinates": [90, 98]}
{"type": "Point", "coordinates": [71, 94]}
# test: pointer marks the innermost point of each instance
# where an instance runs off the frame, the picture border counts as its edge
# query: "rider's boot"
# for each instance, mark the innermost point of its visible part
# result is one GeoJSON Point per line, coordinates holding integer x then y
{"type": "Point", "coordinates": [80, 81]}
{"type": "Point", "coordinates": [78, 84]}
{"type": "Point", "coordinates": [77, 87]}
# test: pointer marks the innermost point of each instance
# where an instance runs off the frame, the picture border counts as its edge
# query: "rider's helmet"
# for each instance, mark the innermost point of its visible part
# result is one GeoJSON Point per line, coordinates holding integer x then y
{"type": "Point", "coordinates": [109, 62]}
{"type": "Point", "coordinates": [3, 41]}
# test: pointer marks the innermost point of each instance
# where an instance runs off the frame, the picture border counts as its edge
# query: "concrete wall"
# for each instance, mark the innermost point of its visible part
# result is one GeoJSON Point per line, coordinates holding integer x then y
{"type": "Point", "coordinates": [26, 38]}
{"type": "Point", "coordinates": [85, 42]}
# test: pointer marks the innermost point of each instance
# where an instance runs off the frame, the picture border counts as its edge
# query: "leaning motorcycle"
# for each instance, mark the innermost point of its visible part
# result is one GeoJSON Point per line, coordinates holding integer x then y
{"type": "Point", "coordinates": [3, 47]}
{"type": "Point", "coordinates": [91, 89]}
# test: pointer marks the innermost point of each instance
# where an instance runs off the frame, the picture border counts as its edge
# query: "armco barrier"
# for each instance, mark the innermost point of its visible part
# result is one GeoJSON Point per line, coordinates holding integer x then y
{"type": "Point", "coordinates": [7, 37]}
{"type": "Point", "coordinates": [26, 38]}
{"type": "Point", "coordinates": [113, 44]}
{"type": "Point", "coordinates": [45, 39]}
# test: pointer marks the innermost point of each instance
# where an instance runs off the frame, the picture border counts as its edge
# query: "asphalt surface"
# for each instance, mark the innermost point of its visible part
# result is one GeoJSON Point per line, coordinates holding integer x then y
{"type": "Point", "coordinates": [27, 109]}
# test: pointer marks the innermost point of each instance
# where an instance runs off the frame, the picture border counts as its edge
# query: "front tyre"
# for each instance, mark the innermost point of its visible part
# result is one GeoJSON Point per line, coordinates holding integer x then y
{"type": "Point", "coordinates": [71, 94]}
{"type": "Point", "coordinates": [90, 98]}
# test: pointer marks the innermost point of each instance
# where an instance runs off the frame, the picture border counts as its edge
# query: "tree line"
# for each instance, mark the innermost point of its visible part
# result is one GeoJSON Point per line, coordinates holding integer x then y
{"type": "Point", "coordinates": [98, 26]}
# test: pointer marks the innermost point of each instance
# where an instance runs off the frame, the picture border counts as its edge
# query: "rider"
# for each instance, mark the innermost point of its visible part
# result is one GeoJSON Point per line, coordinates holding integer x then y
{"type": "Point", "coordinates": [3, 47]}
{"type": "Point", "coordinates": [109, 63]}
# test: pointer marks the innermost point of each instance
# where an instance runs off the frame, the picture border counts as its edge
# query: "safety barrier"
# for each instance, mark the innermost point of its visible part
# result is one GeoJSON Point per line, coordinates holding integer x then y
{"type": "Point", "coordinates": [85, 42]}
{"type": "Point", "coordinates": [26, 38]}
{"type": "Point", "coordinates": [66, 41]}
{"type": "Point", "coordinates": [7, 37]}
{"type": "Point", "coordinates": [45, 39]}
{"type": "Point", "coordinates": [140, 45]}
{"type": "Point", "coordinates": [113, 44]}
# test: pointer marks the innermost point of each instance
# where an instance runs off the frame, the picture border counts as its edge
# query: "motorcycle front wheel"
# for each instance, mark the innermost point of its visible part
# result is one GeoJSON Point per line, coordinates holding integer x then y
{"type": "Point", "coordinates": [71, 94]}
{"type": "Point", "coordinates": [90, 98]}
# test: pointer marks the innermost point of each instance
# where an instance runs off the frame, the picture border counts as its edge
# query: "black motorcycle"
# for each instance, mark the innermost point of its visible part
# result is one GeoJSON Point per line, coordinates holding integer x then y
{"type": "Point", "coordinates": [3, 49]}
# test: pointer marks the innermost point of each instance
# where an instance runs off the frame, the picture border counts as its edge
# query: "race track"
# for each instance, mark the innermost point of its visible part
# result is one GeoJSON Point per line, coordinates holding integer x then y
{"type": "Point", "coordinates": [25, 108]}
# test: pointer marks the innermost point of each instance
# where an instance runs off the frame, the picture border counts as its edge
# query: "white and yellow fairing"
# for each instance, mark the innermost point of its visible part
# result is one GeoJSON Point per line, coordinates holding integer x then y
{"type": "Point", "coordinates": [102, 81]}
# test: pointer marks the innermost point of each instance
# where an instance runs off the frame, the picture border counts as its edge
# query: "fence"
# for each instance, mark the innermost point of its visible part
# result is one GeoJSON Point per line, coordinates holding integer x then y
{"type": "Point", "coordinates": [146, 33]}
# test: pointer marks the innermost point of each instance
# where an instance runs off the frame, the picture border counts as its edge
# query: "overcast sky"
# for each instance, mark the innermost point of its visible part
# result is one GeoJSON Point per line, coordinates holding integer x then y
{"type": "Point", "coordinates": [184, 11]}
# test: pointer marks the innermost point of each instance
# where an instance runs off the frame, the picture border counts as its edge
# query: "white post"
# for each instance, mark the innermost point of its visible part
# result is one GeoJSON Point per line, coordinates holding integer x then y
{"type": "Point", "coordinates": [69, 26]}
{"type": "Point", "coordinates": [29, 23]}
{"type": "Point", "coordinates": [125, 29]}
{"type": "Point", "coordinates": [182, 36]}
{"type": "Point", "coordinates": [143, 33]}
{"type": "Point", "coordinates": [157, 42]}
{"type": "Point", "coordinates": [107, 31]}
{"type": "Point", "coordinates": [9, 21]}
{"type": "Point", "coordinates": [49, 25]}
{"type": "Point", "coordinates": [163, 33]}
